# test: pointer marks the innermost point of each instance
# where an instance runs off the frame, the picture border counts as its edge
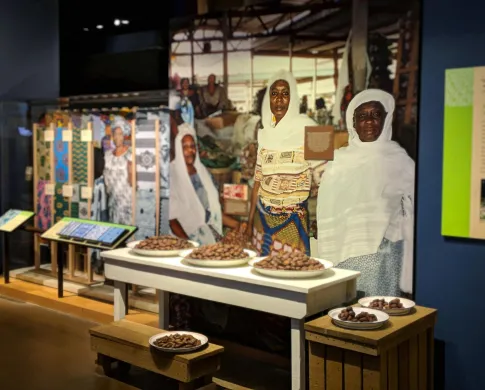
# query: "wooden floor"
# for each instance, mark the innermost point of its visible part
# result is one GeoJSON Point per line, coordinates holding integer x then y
{"type": "Point", "coordinates": [72, 304]}
{"type": "Point", "coordinates": [101, 312]}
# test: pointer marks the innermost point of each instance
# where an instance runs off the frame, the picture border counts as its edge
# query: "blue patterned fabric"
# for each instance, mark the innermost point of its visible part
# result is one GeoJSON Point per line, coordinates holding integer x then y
{"type": "Point", "coordinates": [61, 158]}
{"type": "Point", "coordinates": [380, 272]}
{"type": "Point", "coordinates": [145, 214]}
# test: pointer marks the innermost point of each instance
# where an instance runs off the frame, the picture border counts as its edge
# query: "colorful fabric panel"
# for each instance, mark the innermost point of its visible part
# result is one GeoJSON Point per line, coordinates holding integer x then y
{"type": "Point", "coordinates": [61, 157]}
{"type": "Point", "coordinates": [61, 204]}
{"type": "Point", "coordinates": [43, 156]}
{"type": "Point", "coordinates": [44, 212]}
{"type": "Point", "coordinates": [79, 157]}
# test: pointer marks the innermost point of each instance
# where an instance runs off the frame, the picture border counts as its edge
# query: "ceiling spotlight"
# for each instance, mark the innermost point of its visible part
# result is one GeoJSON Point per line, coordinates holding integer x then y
{"type": "Point", "coordinates": [125, 21]}
{"type": "Point", "coordinates": [99, 26]}
{"type": "Point", "coordinates": [314, 51]}
{"type": "Point", "coordinates": [117, 22]}
{"type": "Point", "coordinates": [85, 29]}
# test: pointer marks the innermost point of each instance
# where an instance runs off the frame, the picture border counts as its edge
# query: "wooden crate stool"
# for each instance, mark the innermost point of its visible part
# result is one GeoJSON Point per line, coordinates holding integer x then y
{"type": "Point", "coordinates": [127, 342]}
{"type": "Point", "coordinates": [398, 356]}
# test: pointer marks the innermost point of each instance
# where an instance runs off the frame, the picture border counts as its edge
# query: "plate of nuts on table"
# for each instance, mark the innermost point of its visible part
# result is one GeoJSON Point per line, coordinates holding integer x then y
{"type": "Point", "coordinates": [292, 265]}
{"type": "Point", "coordinates": [391, 305]}
{"type": "Point", "coordinates": [161, 246]}
{"type": "Point", "coordinates": [218, 255]}
{"type": "Point", "coordinates": [178, 341]}
{"type": "Point", "coordinates": [358, 318]}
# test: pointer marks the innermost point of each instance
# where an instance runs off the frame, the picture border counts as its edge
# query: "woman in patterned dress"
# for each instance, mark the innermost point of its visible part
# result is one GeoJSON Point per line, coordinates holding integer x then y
{"type": "Point", "coordinates": [117, 176]}
{"type": "Point", "coordinates": [279, 219]}
{"type": "Point", "coordinates": [365, 207]}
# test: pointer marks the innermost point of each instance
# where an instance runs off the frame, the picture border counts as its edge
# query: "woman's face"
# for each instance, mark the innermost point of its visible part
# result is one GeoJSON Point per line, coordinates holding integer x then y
{"type": "Point", "coordinates": [189, 149]}
{"type": "Point", "coordinates": [118, 137]}
{"type": "Point", "coordinates": [369, 121]}
{"type": "Point", "coordinates": [185, 84]}
{"type": "Point", "coordinates": [279, 99]}
{"type": "Point", "coordinates": [211, 80]}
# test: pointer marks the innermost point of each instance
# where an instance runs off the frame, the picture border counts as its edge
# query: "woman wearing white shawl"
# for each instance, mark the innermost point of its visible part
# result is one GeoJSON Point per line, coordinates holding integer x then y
{"type": "Point", "coordinates": [365, 207]}
{"type": "Point", "coordinates": [279, 218]}
{"type": "Point", "coordinates": [195, 208]}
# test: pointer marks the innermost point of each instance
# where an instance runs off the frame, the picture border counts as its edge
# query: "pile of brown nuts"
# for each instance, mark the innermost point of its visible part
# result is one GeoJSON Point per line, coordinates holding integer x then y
{"type": "Point", "coordinates": [381, 304]}
{"type": "Point", "coordinates": [218, 251]}
{"type": "Point", "coordinates": [290, 262]}
{"type": "Point", "coordinates": [164, 243]}
{"type": "Point", "coordinates": [348, 314]}
{"type": "Point", "coordinates": [235, 237]}
{"type": "Point", "coordinates": [177, 341]}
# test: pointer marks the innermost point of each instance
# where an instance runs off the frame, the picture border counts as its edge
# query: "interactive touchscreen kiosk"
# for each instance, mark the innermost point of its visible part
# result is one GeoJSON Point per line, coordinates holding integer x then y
{"type": "Point", "coordinates": [90, 234]}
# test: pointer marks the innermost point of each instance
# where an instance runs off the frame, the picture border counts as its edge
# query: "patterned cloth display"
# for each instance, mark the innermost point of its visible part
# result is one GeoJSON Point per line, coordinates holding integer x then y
{"type": "Point", "coordinates": [145, 152]}
{"type": "Point", "coordinates": [164, 171]}
{"type": "Point", "coordinates": [61, 157]}
{"type": "Point", "coordinates": [61, 204]}
{"type": "Point", "coordinates": [43, 156]}
{"type": "Point", "coordinates": [145, 217]}
{"type": "Point", "coordinates": [44, 214]}
{"type": "Point", "coordinates": [79, 157]}
{"type": "Point", "coordinates": [99, 204]}
{"type": "Point", "coordinates": [76, 194]}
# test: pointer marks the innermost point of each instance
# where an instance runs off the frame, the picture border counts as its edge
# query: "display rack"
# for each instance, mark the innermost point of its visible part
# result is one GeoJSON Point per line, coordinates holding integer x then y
{"type": "Point", "coordinates": [53, 235]}
{"type": "Point", "coordinates": [9, 223]}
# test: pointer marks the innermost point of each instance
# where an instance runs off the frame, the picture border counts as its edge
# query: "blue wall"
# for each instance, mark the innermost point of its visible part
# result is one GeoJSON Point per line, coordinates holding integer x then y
{"type": "Point", "coordinates": [450, 274]}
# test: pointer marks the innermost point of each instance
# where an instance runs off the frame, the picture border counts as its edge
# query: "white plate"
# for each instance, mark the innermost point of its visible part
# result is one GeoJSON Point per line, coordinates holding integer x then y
{"type": "Point", "coordinates": [382, 318]}
{"type": "Point", "coordinates": [284, 274]}
{"type": "Point", "coordinates": [155, 253]}
{"type": "Point", "coordinates": [203, 341]}
{"type": "Point", "coordinates": [217, 263]}
{"type": "Point", "coordinates": [407, 305]}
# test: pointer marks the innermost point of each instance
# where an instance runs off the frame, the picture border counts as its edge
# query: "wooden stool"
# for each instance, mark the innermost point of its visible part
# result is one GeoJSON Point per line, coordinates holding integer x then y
{"type": "Point", "coordinates": [127, 342]}
{"type": "Point", "coordinates": [396, 357]}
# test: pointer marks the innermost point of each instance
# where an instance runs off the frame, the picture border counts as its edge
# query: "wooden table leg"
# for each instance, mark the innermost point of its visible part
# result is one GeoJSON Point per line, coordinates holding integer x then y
{"type": "Point", "coordinates": [120, 300]}
{"type": "Point", "coordinates": [186, 386]}
{"type": "Point", "coordinates": [163, 310]}
{"type": "Point", "coordinates": [298, 373]}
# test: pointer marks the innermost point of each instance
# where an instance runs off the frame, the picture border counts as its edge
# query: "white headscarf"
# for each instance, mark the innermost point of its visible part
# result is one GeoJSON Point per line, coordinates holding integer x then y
{"type": "Point", "coordinates": [185, 205]}
{"type": "Point", "coordinates": [364, 192]}
{"type": "Point", "coordinates": [289, 133]}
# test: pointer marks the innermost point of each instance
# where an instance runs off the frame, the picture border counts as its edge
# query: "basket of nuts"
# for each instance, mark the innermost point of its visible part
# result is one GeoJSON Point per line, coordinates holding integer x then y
{"type": "Point", "coordinates": [358, 318]}
{"type": "Point", "coordinates": [291, 266]}
{"type": "Point", "coordinates": [178, 342]}
{"type": "Point", "coordinates": [161, 246]}
{"type": "Point", "coordinates": [391, 305]}
{"type": "Point", "coordinates": [218, 255]}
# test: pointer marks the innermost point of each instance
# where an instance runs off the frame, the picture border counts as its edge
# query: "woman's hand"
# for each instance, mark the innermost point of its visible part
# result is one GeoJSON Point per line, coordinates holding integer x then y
{"type": "Point", "coordinates": [248, 229]}
{"type": "Point", "coordinates": [314, 229]}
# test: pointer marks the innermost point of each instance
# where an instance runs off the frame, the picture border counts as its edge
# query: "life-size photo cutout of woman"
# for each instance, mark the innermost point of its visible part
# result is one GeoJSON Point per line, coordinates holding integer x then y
{"type": "Point", "coordinates": [118, 176]}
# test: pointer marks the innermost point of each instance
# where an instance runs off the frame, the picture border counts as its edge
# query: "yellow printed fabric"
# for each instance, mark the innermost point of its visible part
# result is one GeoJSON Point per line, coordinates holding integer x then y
{"type": "Point", "coordinates": [285, 177]}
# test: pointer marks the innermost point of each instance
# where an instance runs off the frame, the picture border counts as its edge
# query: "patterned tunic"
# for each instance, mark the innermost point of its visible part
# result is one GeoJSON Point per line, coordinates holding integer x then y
{"type": "Point", "coordinates": [286, 177]}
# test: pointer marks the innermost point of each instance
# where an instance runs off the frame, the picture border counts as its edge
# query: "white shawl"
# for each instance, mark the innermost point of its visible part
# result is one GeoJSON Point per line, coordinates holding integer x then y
{"type": "Point", "coordinates": [289, 133]}
{"type": "Point", "coordinates": [185, 205]}
{"type": "Point", "coordinates": [367, 194]}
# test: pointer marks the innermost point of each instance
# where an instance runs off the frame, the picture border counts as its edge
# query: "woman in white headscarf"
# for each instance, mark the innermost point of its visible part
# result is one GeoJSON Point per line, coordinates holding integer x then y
{"type": "Point", "coordinates": [195, 207]}
{"type": "Point", "coordinates": [279, 219]}
{"type": "Point", "coordinates": [365, 208]}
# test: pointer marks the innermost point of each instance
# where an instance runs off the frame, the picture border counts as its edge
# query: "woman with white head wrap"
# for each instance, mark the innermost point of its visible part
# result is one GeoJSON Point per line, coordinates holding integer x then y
{"type": "Point", "coordinates": [117, 175]}
{"type": "Point", "coordinates": [365, 207]}
{"type": "Point", "coordinates": [279, 218]}
{"type": "Point", "coordinates": [195, 208]}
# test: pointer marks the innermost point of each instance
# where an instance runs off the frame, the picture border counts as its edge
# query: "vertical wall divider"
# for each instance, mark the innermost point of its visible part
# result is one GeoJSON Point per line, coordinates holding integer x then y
{"type": "Point", "coordinates": [157, 177]}
{"type": "Point", "coordinates": [35, 178]}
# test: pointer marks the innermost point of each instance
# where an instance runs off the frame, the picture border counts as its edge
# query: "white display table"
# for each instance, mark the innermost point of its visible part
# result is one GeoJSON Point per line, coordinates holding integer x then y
{"type": "Point", "coordinates": [240, 286]}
